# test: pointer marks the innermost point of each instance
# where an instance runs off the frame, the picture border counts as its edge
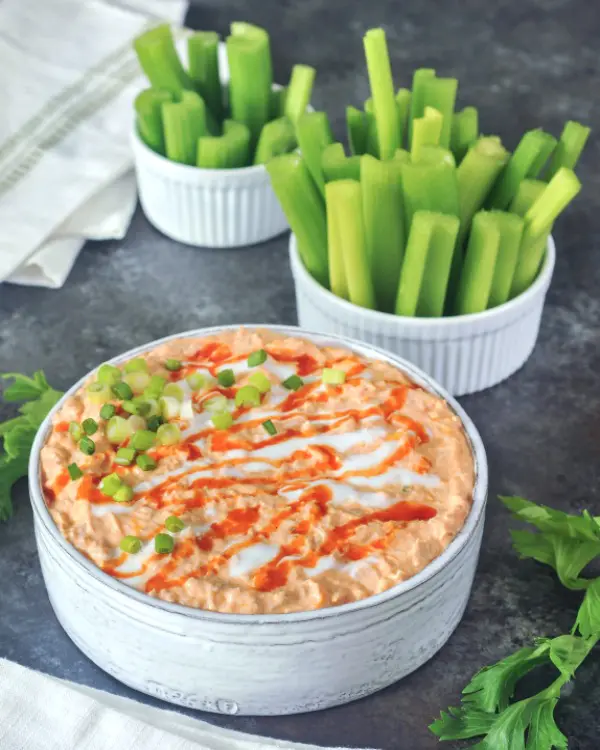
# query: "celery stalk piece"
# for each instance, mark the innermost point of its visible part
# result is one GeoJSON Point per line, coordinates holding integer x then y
{"type": "Point", "coordinates": [372, 136]}
{"type": "Point", "coordinates": [250, 81]}
{"type": "Point", "coordinates": [277, 108]}
{"type": "Point", "coordinates": [402, 156]}
{"type": "Point", "coordinates": [382, 89]}
{"type": "Point", "coordinates": [464, 132]}
{"type": "Point", "coordinates": [237, 136]}
{"type": "Point", "coordinates": [531, 255]}
{"type": "Point", "coordinates": [417, 100]}
{"type": "Point", "coordinates": [569, 147]}
{"type": "Point", "coordinates": [213, 152]}
{"type": "Point", "coordinates": [381, 188]}
{"type": "Point", "coordinates": [335, 255]}
{"type": "Point", "coordinates": [337, 166]}
{"type": "Point", "coordinates": [440, 93]}
{"type": "Point", "coordinates": [299, 91]}
{"type": "Point", "coordinates": [160, 62]}
{"type": "Point", "coordinates": [313, 133]}
{"type": "Point", "coordinates": [429, 187]}
{"type": "Point", "coordinates": [559, 192]}
{"type": "Point", "coordinates": [184, 123]}
{"type": "Point", "coordinates": [304, 208]}
{"type": "Point", "coordinates": [527, 194]}
{"type": "Point", "coordinates": [148, 110]}
{"type": "Point", "coordinates": [426, 131]}
{"type": "Point", "coordinates": [251, 31]}
{"type": "Point", "coordinates": [510, 227]}
{"type": "Point", "coordinates": [403, 97]}
{"type": "Point", "coordinates": [413, 265]}
{"type": "Point", "coordinates": [549, 143]}
{"type": "Point", "coordinates": [203, 63]}
{"type": "Point", "coordinates": [277, 137]}
{"type": "Point", "coordinates": [436, 155]}
{"type": "Point", "coordinates": [434, 285]}
{"type": "Point", "coordinates": [344, 204]}
{"type": "Point", "coordinates": [531, 145]}
{"type": "Point", "coordinates": [480, 261]}
{"type": "Point", "coordinates": [356, 124]}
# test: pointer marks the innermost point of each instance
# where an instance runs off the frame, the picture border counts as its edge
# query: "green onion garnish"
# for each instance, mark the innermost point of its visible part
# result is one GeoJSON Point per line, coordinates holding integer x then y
{"type": "Point", "coordinates": [124, 494]}
{"type": "Point", "coordinates": [145, 462]}
{"type": "Point", "coordinates": [142, 440]}
{"type": "Point", "coordinates": [173, 391]}
{"type": "Point", "coordinates": [131, 407]}
{"type": "Point", "coordinates": [332, 376]}
{"type": "Point", "coordinates": [163, 544]}
{"type": "Point", "coordinates": [118, 429]}
{"type": "Point", "coordinates": [122, 391]}
{"type": "Point", "coordinates": [173, 365]}
{"type": "Point", "coordinates": [136, 423]}
{"type": "Point", "coordinates": [107, 411]}
{"type": "Point", "coordinates": [74, 471]}
{"type": "Point", "coordinates": [75, 430]}
{"type": "Point", "coordinates": [90, 426]}
{"type": "Point", "coordinates": [138, 364]}
{"type": "Point", "coordinates": [247, 395]}
{"type": "Point", "coordinates": [226, 378]}
{"type": "Point", "coordinates": [196, 381]}
{"type": "Point", "coordinates": [260, 381]}
{"type": "Point", "coordinates": [87, 446]}
{"type": "Point", "coordinates": [257, 358]}
{"type": "Point", "coordinates": [169, 407]}
{"type": "Point", "coordinates": [125, 456]}
{"type": "Point", "coordinates": [168, 434]}
{"type": "Point", "coordinates": [109, 374]}
{"type": "Point", "coordinates": [154, 422]}
{"type": "Point", "coordinates": [130, 544]}
{"type": "Point", "coordinates": [99, 393]}
{"type": "Point", "coordinates": [222, 420]}
{"type": "Point", "coordinates": [174, 524]}
{"type": "Point", "coordinates": [156, 386]}
{"type": "Point", "coordinates": [110, 484]}
{"type": "Point", "coordinates": [216, 403]}
{"type": "Point", "coordinates": [293, 383]}
{"type": "Point", "coordinates": [137, 381]}
{"type": "Point", "coordinates": [270, 427]}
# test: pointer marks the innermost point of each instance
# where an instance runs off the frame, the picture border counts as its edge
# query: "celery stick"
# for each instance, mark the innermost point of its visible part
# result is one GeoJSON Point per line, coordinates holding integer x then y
{"type": "Point", "coordinates": [531, 145]}
{"type": "Point", "coordinates": [417, 101]}
{"type": "Point", "coordinates": [464, 133]}
{"type": "Point", "coordinates": [250, 81]}
{"type": "Point", "coordinates": [313, 133]}
{"type": "Point", "coordinates": [258, 34]}
{"type": "Point", "coordinates": [402, 156]}
{"type": "Point", "coordinates": [413, 265]}
{"type": "Point", "coordinates": [434, 285]}
{"type": "Point", "coordinates": [299, 91]}
{"type": "Point", "coordinates": [436, 155]}
{"type": "Point", "coordinates": [382, 88]}
{"type": "Point", "coordinates": [372, 136]}
{"type": "Point", "coordinates": [337, 166]}
{"type": "Point", "coordinates": [160, 62]}
{"type": "Point", "coordinates": [549, 143]}
{"type": "Point", "coordinates": [148, 109]}
{"type": "Point", "coordinates": [440, 93]}
{"type": "Point", "coordinates": [203, 61]}
{"type": "Point", "coordinates": [384, 225]}
{"type": "Point", "coordinates": [356, 124]}
{"type": "Point", "coordinates": [569, 147]}
{"type": "Point", "coordinates": [237, 136]}
{"type": "Point", "coordinates": [228, 151]}
{"type": "Point", "coordinates": [429, 187]}
{"type": "Point", "coordinates": [344, 204]}
{"type": "Point", "coordinates": [335, 254]}
{"type": "Point", "coordinates": [276, 138]}
{"type": "Point", "coordinates": [559, 192]}
{"type": "Point", "coordinates": [510, 227]}
{"type": "Point", "coordinates": [426, 131]}
{"type": "Point", "coordinates": [479, 265]}
{"type": "Point", "coordinates": [305, 211]}
{"type": "Point", "coordinates": [527, 194]}
{"type": "Point", "coordinates": [403, 97]}
{"type": "Point", "coordinates": [277, 108]}
{"type": "Point", "coordinates": [184, 122]}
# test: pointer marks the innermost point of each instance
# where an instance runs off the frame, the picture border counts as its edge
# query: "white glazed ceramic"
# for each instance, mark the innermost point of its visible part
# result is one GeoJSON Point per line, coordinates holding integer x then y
{"type": "Point", "coordinates": [260, 664]}
{"type": "Point", "coordinates": [464, 353]}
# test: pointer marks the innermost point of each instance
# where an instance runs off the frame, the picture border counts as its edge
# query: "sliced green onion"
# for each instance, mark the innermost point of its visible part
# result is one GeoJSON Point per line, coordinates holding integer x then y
{"type": "Point", "coordinates": [154, 422]}
{"type": "Point", "coordinates": [277, 137]}
{"type": "Point", "coordinates": [247, 395]}
{"type": "Point", "coordinates": [440, 93]}
{"type": "Point", "coordinates": [434, 284]}
{"type": "Point", "coordinates": [173, 365]}
{"type": "Point", "coordinates": [382, 88]}
{"type": "Point", "coordinates": [107, 411]}
{"type": "Point", "coordinates": [125, 456]}
{"type": "Point", "coordinates": [356, 125]}
{"type": "Point", "coordinates": [257, 358]}
{"type": "Point", "coordinates": [569, 148]}
{"type": "Point", "coordinates": [90, 426]}
{"type": "Point", "coordinates": [313, 133]}
{"type": "Point", "coordinates": [217, 403]}
{"type": "Point", "coordinates": [174, 524]}
{"type": "Point", "coordinates": [160, 62]}
{"type": "Point", "coordinates": [138, 408]}
{"type": "Point", "coordinates": [137, 381]}
{"type": "Point", "coordinates": [203, 61]}
{"type": "Point", "coordinates": [168, 434]}
{"type": "Point", "coordinates": [196, 381]}
{"type": "Point", "coordinates": [293, 383]}
{"type": "Point", "coordinates": [138, 364]}
{"type": "Point", "coordinates": [222, 420]}
{"type": "Point", "coordinates": [417, 101]}
{"type": "Point", "coordinates": [299, 91]}
{"type": "Point", "coordinates": [148, 407]}
{"type": "Point", "coordinates": [415, 259]}
{"type": "Point", "coordinates": [337, 166]}
{"type": "Point", "coordinates": [172, 390]}
{"type": "Point", "coordinates": [123, 391]}
{"type": "Point", "coordinates": [480, 261]}
{"type": "Point", "coordinates": [187, 409]}
{"type": "Point", "coordinates": [260, 381]}
{"type": "Point", "coordinates": [110, 484]}
{"type": "Point", "coordinates": [148, 119]}
{"type": "Point", "coordinates": [145, 462]}
{"type": "Point", "coordinates": [99, 393]}
{"type": "Point", "coordinates": [303, 206]}
{"type": "Point", "coordinates": [465, 131]}
{"type": "Point", "coordinates": [130, 544]}
{"type": "Point", "coordinates": [124, 494]}
{"type": "Point", "coordinates": [74, 471]}
{"type": "Point", "coordinates": [87, 446]}
{"type": "Point", "coordinates": [226, 378]}
{"type": "Point", "coordinates": [510, 227]}
{"type": "Point", "coordinates": [403, 97]}
{"type": "Point", "coordinates": [109, 374]}
{"type": "Point", "coordinates": [163, 544]}
{"type": "Point", "coordinates": [157, 385]}
{"type": "Point", "coordinates": [333, 376]}
{"type": "Point", "coordinates": [270, 427]}
{"type": "Point", "coordinates": [118, 430]}
{"type": "Point", "coordinates": [136, 423]}
{"type": "Point", "coordinates": [142, 440]}
{"type": "Point", "coordinates": [426, 131]}
{"type": "Point", "coordinates": [75, 431]}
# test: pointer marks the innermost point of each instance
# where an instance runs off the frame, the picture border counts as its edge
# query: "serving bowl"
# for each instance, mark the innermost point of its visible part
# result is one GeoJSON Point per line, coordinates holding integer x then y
{"type": "Point", "coordinates": [464, 353]}
{"type": "Point", "coordinates": [260, 664]}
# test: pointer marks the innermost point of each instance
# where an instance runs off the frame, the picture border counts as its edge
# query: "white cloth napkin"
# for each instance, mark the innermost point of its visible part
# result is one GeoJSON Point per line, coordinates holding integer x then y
{"type": "Point", "coordinates": [69, 77]}
{"type": "Point", "coordinates": [38, 712]}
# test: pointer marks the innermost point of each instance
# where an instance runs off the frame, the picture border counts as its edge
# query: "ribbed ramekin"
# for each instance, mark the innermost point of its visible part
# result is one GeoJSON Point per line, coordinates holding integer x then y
{"type": "Point", "coordinates": [260, 664]}
{"type": "Point", "coordinates": [464, 353]}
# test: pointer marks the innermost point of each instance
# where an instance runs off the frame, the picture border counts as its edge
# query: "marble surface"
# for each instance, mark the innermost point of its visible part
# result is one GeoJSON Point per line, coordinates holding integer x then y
{"type": "Point", "coordinates": [525, 64]}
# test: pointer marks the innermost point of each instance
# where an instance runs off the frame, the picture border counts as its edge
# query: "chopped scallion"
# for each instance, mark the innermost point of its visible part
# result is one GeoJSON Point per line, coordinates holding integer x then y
{"type": "Point", "coordinates": [109, 374]}
{"type": "Point", "coordinates": [90, 426]}
{"type": "Point", "coordinates": [257, 358]}
{"type": "Point", "coordinates": [226, 378]}
{"type": "Point", "coordinates": [130, 544]}
{"type": "Point", "coordinates": [125, 456]}
{"type": "Point", "coordinates": [145, 462]}
{"type": "Point", "coordinates": [124, 494]}
{"type": "Point", "coordinates": [196, 381]}
{"type": "Point", "coordinates": [168, 434]}
{"type": "Point", "coordinates": [173, 365]}
{"type": "Point", "coordinates": [87, 446]}
{"type": "Point", "coordinates": [75, 430]}
{"type": "Point", "coordinates": [163, 544]}
{"type": "Point", "coordinates": [270, 427]}
{"type": "Point", "coordinates": [110, 484]}
{"type": "Point", "coordinates": [174, 524]}
{"type": "Point", "coordinates": [293, 383]}
{"type": "Point", "coordinates": [74, 471]}
{"type": "Point", "coordinates": [107, 411]}
{"type": "Point", "coordinates": [154, 422]}
{"type": "Point", "coordinates": [222, 420]}
{"type": "Point", "coordinates": [123, 391]}
{"type": "Point", "coordinates": [118, 430]}
{"type": "Point", "coordinates": [333, 376]}
{"type": "Point", "coordinates": [142, 440]}
{"type": "Point", "coordinates": [138, 364]}
{"type": "Point", "coordinates": [247, 395]}
{"type": "Point", "coordinates": [260, 381]}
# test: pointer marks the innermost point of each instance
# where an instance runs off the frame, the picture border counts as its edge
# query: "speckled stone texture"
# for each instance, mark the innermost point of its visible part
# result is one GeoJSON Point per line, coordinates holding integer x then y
{"type": "Point", "coordinates": [525, 63]}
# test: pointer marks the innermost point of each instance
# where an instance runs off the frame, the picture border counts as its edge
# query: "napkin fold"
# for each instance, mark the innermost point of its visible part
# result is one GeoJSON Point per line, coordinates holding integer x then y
{"type": "Point", "coordinates": [39, 712]}
{"type": "Point", "coordinates": [70, 76]}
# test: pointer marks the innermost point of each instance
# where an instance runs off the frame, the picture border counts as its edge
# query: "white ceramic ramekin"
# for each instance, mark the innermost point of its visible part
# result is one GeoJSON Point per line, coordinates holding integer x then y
{"type": "Point", "coordinates": [260, 664]}
{"type": "Point", "coordinates": [465, 353]}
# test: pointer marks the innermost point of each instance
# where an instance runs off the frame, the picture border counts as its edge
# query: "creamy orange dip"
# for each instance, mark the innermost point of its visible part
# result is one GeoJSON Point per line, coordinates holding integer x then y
{"type": "Point", "coordinates": [323, 493]}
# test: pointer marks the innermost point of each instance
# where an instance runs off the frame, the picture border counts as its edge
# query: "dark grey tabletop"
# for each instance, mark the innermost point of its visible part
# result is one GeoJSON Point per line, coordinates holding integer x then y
{"type": "Point", "coordinates": [525, 63]}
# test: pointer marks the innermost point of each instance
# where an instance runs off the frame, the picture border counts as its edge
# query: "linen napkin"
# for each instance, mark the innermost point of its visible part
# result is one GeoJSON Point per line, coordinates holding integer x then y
{"type": "Point", "coordinates": [38, 712]}
{"type": "Point", "coordinates": [69, 79]}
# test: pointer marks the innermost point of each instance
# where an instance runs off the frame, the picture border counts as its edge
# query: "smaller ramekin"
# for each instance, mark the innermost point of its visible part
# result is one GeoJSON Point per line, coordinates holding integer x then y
{"type": "Point", "coordinates": [464, 353]}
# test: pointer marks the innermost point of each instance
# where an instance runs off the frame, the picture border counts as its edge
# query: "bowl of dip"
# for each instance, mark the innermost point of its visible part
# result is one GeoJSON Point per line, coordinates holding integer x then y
{"type": "Point", "coordinates": [223, 508]}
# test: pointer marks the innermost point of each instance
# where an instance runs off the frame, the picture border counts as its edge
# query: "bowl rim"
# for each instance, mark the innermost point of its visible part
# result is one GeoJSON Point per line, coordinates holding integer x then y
{"type": "Point", "coordinates": [479, 494]}
{"type": "Point", "coordinates": [539, 286]}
